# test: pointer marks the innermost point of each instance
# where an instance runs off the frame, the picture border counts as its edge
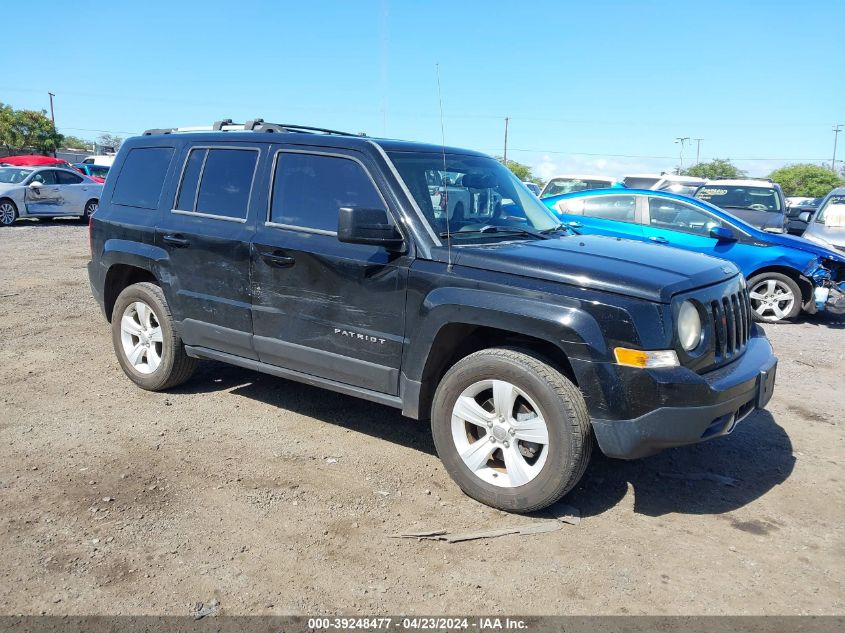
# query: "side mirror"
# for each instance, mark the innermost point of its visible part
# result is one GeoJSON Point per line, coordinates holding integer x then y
{"type": "Point", "coordinates": [357, 225]}
{"type": "Point", "coordinates": [34, 184]}
{"type": "Point", "coordinates": [722, 234]}
{"type": "Point", "coordinates": [796, 227]}
{"type": "Point", "coordinates": [805, 216]}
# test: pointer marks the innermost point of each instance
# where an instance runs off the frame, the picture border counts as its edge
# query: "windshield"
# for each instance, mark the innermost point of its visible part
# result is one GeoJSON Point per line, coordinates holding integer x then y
{"type": "Point", "coordinates": [474, 193]}
{"type": "Point", "coordinates": [13, 175]}
{"type": "Point", "coordinates": [741, 197]}
{"type": "Point", "coordinates": [679, 188]}
{"type": "Point", "coordinates": [558, 186]}
{"type": "Point", "coordinates": [832, 214]}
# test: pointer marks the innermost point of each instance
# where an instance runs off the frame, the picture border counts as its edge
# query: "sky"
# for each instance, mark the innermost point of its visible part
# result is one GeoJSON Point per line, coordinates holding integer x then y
{"type": "Point", "coordinates": [596, 87]}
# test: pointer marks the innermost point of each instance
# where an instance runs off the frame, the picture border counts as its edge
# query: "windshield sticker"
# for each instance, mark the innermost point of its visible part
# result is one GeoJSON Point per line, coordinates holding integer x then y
{"type": "Point", "coordinates": [834, 216]}
{"type": "Point", "coordinates": [706, 193]}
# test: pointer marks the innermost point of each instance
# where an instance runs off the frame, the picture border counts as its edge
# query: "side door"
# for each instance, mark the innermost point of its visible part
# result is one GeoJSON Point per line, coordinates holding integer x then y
{"type": "Point", "coordinates": [73, 192]}
{"type": "Point", "coordinates": [687, 226]}
{"type": "Point", "coordinates": [613, 215]}
{"type": "Point", "coordinates": [42, 193]}
{"type": "Point", "coordinates": [207, 237]}
{"type": "Point", "coordinates": [322, 307]}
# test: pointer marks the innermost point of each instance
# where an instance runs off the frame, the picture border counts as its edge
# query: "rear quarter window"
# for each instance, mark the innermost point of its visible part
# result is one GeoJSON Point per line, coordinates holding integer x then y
{"type": "Point", "coordinates": [141, 178]}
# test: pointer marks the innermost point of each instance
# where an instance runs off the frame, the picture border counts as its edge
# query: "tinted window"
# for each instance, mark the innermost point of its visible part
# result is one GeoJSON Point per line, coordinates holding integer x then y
{"type": "Point", "coordinates": [308, 190]}
{"type": "Point", "coordinates": [677, 216]}
{"type": "Point", "coordinates": [142, 177]}
{"type": "Point", "coordinates": [190, 178]}
{"type": "Point", "coordinates": [47, 177]}
{"type": "Point", "coordinates": [559, 186]}
{"type": "Point", "coordinates": [619, 208]}
{"type": "Point", "coordinates": [226, 182]}
{"type": "Point", "coordinates": [67, 178]}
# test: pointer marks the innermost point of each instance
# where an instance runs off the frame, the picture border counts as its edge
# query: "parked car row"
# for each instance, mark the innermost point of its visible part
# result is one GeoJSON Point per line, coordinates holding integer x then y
{"type": "Point", "coordinates": [46, 192]}
{"type": "Point", "coordinates": [785, 274]}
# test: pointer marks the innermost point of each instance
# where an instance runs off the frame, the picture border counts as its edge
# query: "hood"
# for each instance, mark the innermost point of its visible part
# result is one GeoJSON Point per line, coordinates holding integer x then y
{"type": "Point", "coordinates": [834, 235]}
{"type": "Point", "coordinates": [782, 239]}
{"type": "Point", "coordinates": [646, 271]}
{"type": "Point", "coordinates": [761, 220]}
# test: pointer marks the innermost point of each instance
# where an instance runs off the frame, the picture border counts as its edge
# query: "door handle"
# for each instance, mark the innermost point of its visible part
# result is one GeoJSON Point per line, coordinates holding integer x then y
{"type": "Point", "coordinates": [576, 225]}
{"type": "Point", "coordinates": [175, 240]}
{"type": "Point", "coordinates": [278, 260]}
{"type": "Point", "coordinates": [658, 239]}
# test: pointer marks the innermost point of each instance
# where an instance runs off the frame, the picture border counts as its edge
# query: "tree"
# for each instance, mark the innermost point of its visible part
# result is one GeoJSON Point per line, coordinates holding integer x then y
{"type": "Point", "coordinates": [523, 172]}
{"type": "Point", "coordinates": [73, 142]}
{"type": "Point", "coordinates": [27, 128]}
{"type": "Point", "coordinates": [109, 140]}
{"type": "Point", "coordinates": [806, 179]}
{"type": "Point", "coordinates": [716, 168]}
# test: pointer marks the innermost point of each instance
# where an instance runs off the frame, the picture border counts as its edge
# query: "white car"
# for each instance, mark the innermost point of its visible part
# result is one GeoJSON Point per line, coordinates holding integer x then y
{"type": "Point", "coordinates": [567, 183]}
{"type": "Point", "coordinates": [105, 161]}
{"type": "Point", "coordinates": [46, 192]}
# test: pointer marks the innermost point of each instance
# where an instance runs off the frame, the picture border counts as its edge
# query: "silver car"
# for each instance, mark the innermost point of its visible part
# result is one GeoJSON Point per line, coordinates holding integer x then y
{"type": "Point", "coordinates": [827, 225]}
{"type": "Point", "coordinates": [46, 192]}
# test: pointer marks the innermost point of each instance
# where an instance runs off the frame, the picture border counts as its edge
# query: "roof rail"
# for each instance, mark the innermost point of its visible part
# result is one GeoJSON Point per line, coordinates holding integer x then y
{"type": "Point", "coordinates": [253, 125]}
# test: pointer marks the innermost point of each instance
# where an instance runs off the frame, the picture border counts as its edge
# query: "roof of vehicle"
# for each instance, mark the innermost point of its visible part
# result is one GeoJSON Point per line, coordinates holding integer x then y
{"type": "Point", "coordinates": [298, 134]}
{"type": "Point", "coordinates": [741, 182]}
{"type": "Point", "coordinates": [838, 191]}
{"type": "Point", "coordinates": [682, 179]}
{"type": "Point", "coordinates": [31, 160]}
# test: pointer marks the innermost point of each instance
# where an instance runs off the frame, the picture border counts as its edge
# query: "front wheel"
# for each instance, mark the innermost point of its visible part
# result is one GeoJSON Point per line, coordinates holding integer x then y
{"type": "Point", "coordinates": [774, 297]}
{"type": "Point", "coordinates": [145, 340]}
{"type": "Point", "coordinates": [512, 431]}
{"type": "Point", "coordinates": [8, 212]}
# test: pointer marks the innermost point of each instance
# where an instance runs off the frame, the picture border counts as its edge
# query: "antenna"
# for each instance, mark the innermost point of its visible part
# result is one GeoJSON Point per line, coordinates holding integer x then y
{"type": "Point", "coordinates": [445, 188]}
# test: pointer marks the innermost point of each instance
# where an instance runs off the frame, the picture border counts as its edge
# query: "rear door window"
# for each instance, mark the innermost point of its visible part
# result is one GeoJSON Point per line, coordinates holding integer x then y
{"type": "Point", "coordinates": [141, 179]}
{"type": "Point", "coordinates": [217, 182]}
{"type": "Point", "coordinates": [67, 178]}
{"type": "Point", "coordinates": [618, 208]}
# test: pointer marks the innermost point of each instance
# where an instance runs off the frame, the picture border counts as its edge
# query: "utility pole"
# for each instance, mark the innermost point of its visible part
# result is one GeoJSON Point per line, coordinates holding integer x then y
{"type": "Point", "coordinates": [836, 129]}
{"type": "Point", "coordinates": [52, 116]}
{"type": "Point", "coordinates": [682, 140]}
{"type": "Point", "coordinates": [505, 156]}
{"type": "Point", "coordinates": [697, 149]}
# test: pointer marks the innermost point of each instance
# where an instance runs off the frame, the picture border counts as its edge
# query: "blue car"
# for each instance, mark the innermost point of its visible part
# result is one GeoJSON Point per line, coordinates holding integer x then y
{"type": "Point", "coordinates": [785, 274]}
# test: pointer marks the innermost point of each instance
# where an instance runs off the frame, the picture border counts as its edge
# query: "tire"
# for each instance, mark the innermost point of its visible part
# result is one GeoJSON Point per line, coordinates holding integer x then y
{"type": "Point", "coordinates": [768, 286]}
{"type": "Point", "coordinates": [502, 480]}
{"type": "Point", "coordinates": [160, 364]}
{"type": "Point", "coordinates": [90, 208]}
{"type": "Point", "coordinates": [8, 212]}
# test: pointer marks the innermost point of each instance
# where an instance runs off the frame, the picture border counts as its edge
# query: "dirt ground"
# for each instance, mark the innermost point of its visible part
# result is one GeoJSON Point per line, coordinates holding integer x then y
{"type": "Point", "coordinates": [276, 498]}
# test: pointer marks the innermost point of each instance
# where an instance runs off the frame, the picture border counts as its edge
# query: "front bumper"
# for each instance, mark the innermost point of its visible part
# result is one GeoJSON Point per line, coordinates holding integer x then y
{"type": "Point", "coordinates": [685, 407]}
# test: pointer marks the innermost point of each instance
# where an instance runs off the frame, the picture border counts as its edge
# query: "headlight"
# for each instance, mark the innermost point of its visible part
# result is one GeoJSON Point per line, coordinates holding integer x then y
{"type": "Point", "coordinates": [689, 326]}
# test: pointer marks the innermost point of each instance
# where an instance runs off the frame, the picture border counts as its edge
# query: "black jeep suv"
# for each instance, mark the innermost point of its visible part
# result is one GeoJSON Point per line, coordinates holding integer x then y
{"type": "Point", "coordinates": [332, 259]}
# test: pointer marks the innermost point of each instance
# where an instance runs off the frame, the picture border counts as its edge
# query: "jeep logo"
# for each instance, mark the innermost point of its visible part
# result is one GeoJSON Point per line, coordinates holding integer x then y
{"type": "Point", "coordinates": [359, 336]}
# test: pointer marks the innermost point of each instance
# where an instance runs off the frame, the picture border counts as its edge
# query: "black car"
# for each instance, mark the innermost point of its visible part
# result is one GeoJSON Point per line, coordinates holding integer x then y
{"type": "Point", "coordinates": [319, 256]}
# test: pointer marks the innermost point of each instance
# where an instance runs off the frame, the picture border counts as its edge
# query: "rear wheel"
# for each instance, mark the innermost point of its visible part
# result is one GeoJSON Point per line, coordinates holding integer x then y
{"type": "Point", "coordinates": [90, 208]}
{"type": "Point", "coordinates": [8, 212]}
{"type": "Point", "coordinates": [512, 431]}
{"type": "Point", "coordinates": [145, 341]}
{"type": "Point", "coordinates": [774, 297]}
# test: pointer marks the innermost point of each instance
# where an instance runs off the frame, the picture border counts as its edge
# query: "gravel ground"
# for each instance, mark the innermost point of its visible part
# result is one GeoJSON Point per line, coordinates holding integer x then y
{"type": "Point", "coordinates": [276, 498]}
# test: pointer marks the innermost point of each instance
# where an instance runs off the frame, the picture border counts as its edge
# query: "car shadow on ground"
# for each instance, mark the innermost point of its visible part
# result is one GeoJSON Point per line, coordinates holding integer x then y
{"type": "Point", "coordinates": [360, 416]}
{"type": "Point", "coordinates": [45, 222]}
{"type": "Point", "coordinates": [713, 477]}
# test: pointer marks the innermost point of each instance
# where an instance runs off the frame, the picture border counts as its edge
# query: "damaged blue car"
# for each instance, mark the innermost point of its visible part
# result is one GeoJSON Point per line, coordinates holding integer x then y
{"type": "Point", "coordinates": [785, 274]}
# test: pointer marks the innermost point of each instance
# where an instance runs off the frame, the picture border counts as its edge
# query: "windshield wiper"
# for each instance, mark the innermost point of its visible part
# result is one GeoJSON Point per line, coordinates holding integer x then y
{"type": "Point", "coordinates": [498, 229]}
{"type": "Point", "coordinates": [559, 227]}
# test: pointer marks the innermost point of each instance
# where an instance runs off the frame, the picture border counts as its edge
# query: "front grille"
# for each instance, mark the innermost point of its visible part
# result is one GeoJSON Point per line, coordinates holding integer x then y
{"type": "Point", "coordinates": [731, 322]}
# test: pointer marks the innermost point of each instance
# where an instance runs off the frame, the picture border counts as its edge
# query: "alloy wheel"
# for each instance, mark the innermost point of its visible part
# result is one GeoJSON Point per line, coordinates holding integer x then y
{"type": "Point", "coordinates": [141, 338]}
{"type": "Point", "coordinates": [771, 299]}
{"type": "Point", "coordinates": [500, 433]}
{"type": "Point", "coordinates": [7, 213]}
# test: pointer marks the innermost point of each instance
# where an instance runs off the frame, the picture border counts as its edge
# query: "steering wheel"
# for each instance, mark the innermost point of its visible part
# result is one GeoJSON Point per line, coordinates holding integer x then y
{"type": "Point", "coordinates": [758, 207]}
